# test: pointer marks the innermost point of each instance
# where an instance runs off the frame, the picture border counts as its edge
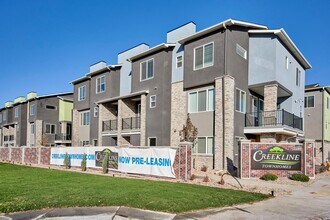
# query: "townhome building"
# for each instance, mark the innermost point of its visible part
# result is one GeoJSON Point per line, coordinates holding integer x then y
{"type": "Point", "coordinates": [237, 81]}
{"type": "Point", "coordinates": [317, 120]}
{"type": "Point", "coordinates": [37, 121]}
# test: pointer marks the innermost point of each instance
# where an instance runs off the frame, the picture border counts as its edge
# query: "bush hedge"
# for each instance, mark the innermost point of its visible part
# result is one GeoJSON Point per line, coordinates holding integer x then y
{"type": "Point", "coordinates": [299, 177]}
{"type": "Point", "coordinates": [269, 176]}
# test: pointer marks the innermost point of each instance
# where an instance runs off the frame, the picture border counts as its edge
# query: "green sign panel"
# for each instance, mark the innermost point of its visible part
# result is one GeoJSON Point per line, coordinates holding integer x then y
{"type": "Point", "coordinates": [275, 158]}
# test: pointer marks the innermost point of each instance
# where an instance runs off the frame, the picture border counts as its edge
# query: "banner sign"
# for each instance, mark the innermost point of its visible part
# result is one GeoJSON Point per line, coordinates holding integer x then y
{"type": "Point", "coordinates": [150, 161]}
{"type": "Point", "coordinates": [275, 158]}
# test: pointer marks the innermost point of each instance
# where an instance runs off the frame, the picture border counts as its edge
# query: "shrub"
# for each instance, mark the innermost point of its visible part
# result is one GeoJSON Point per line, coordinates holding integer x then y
{"type": "Point", "coordinates": [193, 176]}
{"type": "Point", "coordinates": [105, 163]}
{"type": "Point", "coordinates": [269, 176]}
{"type": "Point", "coordinates": [322, 168]}
{"type": "Point", "coordinates": [299, 177]}
{"type": "Point", "coordinates": [83, 163]}
{"type": "Point", "coordinates": [67, 161]}
{"type": "Point", "coordinates": [204, 168]}
{"type": "Point", "coordinates": [206, 179]}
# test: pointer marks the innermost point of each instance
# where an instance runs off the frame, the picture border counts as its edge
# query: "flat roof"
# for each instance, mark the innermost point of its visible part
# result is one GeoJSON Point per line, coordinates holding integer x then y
{"type": "Point", "coordinates": [223, 24]}
{"type": "Point", "coordinates": [123, 97]}
{"type": "Point", "coordinates": [152, 50]}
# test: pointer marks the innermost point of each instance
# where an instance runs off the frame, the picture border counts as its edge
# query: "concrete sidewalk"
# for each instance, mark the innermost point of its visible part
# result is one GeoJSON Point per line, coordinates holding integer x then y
{"type": "Point", "coordinates": [312, 202]}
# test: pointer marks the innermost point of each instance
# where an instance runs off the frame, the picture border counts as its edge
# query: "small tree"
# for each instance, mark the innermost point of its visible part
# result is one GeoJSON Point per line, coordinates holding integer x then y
{"type": "Point", "coordinates": [105, 163]}
{"type": "Point", "coordinates": [83, 163]}
{"type": "Point", "coordinates": [66, 161]}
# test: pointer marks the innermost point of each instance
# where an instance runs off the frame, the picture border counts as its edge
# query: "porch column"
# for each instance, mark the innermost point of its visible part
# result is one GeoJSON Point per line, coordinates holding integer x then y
{"type": "Point", "coordinates": [119, 123]}
{"type": "Point", "coordinates": [143, 120]}
{"type": "Point", "coordinates": [270, 106]}
{"type": "Point", "coordinates": [101, 116]}
{"type": "Point", "coordinates": [270, 97]}
{"type": "Point", "coordinates": [75, 127]}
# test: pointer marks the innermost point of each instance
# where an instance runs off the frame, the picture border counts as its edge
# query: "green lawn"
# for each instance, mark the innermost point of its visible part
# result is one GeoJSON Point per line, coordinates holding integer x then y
{"type": "Point", "coordinates": [26, 188]}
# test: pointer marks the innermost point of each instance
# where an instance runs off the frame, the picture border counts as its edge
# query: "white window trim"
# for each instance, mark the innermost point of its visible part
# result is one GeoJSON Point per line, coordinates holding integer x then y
{"type": "Point", "coordinates": [212, 42]}
{"type": "Point", "coordinates": [50, 125]}
{"type": "Point", "coordinates": [307, 101]}
{"type": "Point", "coordinates": [299, 77]}
{"type": "Point", "coordinates": [100, 84]}
{"type": "Point", "coordinates": [96, 112]}
{"type": "Point", "coordinates": [34, 129]}
{"type": "Point", "coordinates": [152, 102]}
{"type": "Point", "coordinates": [16, 110]}
{"type": "Point", "coordinates": [207, 99]}
{"type": "Point", "coordinates": [242, 48]}
{"type": "Point", "coordinates": [243, 112]}
{"type": "Point", "coordinates": [149, 141]}
{"type": "Point", "coordinates": [79, 93]}
{"type": "Point", "coordinates": [287, 62]}
{"type": "Point", "coordinates": [34, 109]}
{"type": "Point", "coordinates": [328, 103]}
{"type": "Point", "coordinates": [4, 116]}
{"type": "Point", "coordinates": [153, 69]}
{"type": "Point", "coordinates": [81, 116]}
{"type": "Point", "coordinates": [206, 137]}
{"type": "Point", "coordinates": [176, 65]}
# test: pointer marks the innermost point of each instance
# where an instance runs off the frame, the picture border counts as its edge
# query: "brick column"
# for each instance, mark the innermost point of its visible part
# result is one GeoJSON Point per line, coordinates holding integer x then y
{"type": "Point", "coordinates": [75, 127]}
{"type": "Point", "coordinates": [38, 132]}
{"type": "Point", "coordinates": [143, 120]}
{"type": "Point", "coordinates": [119, 123]}
{"type": "Point", "coordinates": [183, 163]}
{"type": "Point", "coordinates": [1, 145]}
{"type": "Point", "coordinates": [224, 121]}
{"type": "Point", "coordinates": [101, 113]}
{"type": "Point", "coordinates": [178, 111]}
{"type": "Point", "coordinates": [270, 97]}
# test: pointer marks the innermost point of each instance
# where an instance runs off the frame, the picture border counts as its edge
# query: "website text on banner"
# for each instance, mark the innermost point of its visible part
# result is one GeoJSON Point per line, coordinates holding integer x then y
{"type": "Point", "coordinates": [150, 161]}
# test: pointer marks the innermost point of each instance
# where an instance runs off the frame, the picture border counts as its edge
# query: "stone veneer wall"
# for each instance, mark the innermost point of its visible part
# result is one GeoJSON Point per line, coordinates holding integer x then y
{"type": "Point", "coordinates": [143, 116]}
{"type": "Point", "coordinates": [183, 163]}
{"type": "Point", "coordinates": [28, 155]}
{"type": "Point", "coordinates": [178, 111]}
{"type": "Point", "coordinates": [75, 127]}
{"type": "Point", "coordinates": [322, 152]}
{"type": "Point", "coordinates": [307, 165]}
{"type": "Point", "coordinates": [224, 121]}
{"type": "Point", "coordinates": [106, 113]}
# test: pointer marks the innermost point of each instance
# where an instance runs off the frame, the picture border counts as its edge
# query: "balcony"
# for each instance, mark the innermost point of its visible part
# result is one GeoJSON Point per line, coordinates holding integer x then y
{"type": "Point", "coordinates": [110, 125]}
{"type": "Point", "coordinates": [132, 123]}
{"type": "Point", "coordinates": [63, 138]}
{"type": "Point", "coordinates": [279, 121]}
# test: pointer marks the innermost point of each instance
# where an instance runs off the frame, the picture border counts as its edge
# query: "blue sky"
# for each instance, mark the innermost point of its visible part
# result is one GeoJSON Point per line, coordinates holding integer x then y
{"type": "Point", "coordinates": [45, 44]}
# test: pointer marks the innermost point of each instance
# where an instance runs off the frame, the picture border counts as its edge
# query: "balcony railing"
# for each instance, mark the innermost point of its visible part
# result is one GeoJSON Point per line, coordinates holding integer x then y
{"type": "Point", "coordinates": [131, 123]}
{"type": "Point", "coordinates": [110, 125]}
{"type": "Point", "coordinates": [62, 137]}
{"type": "Point", "coordinates": [273, 118]}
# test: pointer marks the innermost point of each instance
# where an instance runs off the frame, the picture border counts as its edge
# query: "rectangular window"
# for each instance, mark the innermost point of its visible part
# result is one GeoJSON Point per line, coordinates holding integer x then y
{"type": "Point", "coordinates": [204, 145]}
{"type": "Point", "coordinates": [51, 107]}
{"type": "Point", "coordinates": [81, 93]}
{"type": "Point", "coordinates": [32, 109]}
{"type": "Point", "coordinates": [0, 118]}
{"type": "Point", "coordinates": [179, 61]}
{"type": "Point", "coordinates": [4, 116]}
{"type": "Point", "coordinates": [152, 141]}
{"type": "Point", "coordinates": [32, 128]}
{"type": "Point", "coordinates": [153, 100]}
{"type": "Point", "coordinates": [147, 69]}
{"type": "Point", "coordinates": [287, 63]}
{"type": "Point", "coordinates": [100, 84]}
{"type": "Point", "coordinates": [241, 51]}
{"type": "Point", "coordinates": [50, 129]}
{"type": "Point", "coordinates": [309, 102]}
{"type": "Point", "coordinates": [201, 101]}
{"type": "Point", "coordinates": [96, 111]}
{"type": "Point", "coordinates": [16, 112]}
{"type": "Point", "coordinates": [240, 101]}
{"type": "Point", "coordinates": [84, 143]}
{"type": "Point", "coordinates": [203, 56]}
{"type": "Point", "coordinates": [328, 103]}
{"type": "Point", "coordinates": [298, 76]}
{"type": "Point", "coordinates": [84, 118]}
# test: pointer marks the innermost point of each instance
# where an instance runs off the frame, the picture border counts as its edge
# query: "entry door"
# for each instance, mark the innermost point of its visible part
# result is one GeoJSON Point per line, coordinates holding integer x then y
{"type": "Point", "coordinates": [68, 129]}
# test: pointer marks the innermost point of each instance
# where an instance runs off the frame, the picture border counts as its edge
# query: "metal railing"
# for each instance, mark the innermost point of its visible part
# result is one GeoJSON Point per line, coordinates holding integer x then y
{"type": "Point", "coordinates": [273, 118]}
{"type": "Point", "coordinates": [110, 125]}
{"type": "Point", "coordinates": [131, 123]}
{"type": "Point", "coordinates": [63, 137]}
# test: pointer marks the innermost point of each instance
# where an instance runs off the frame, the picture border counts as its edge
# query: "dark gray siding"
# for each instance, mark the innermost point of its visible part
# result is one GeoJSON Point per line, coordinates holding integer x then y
{"type": "Point", "coordinates": [196, 78]}
{"type": "Point", "coordinates": [84, 104]}
{"type": "Point", "coordinates": [158, 119]}
{"type": "Point", "coordinates": [313, 116]}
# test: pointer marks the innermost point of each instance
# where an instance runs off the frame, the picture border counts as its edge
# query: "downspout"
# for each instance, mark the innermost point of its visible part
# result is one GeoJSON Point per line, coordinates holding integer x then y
{"type": "Point", "coordinates": [323, 90]}
{"type": "Point", "coordinates": [223, 99]}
